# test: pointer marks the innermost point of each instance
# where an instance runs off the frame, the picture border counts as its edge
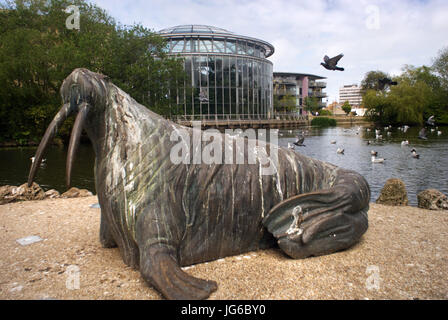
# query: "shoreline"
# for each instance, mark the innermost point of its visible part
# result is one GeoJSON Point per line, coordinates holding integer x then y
{"type": "Point", "coordinates": [403, 255]}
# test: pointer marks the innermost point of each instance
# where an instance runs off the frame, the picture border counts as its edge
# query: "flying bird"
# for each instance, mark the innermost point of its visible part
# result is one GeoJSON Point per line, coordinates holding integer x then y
{"type": "Point", "coordinates": [431, 121]}
{"type": "Point", "coordinates": [422, 134]}
{"type": "Point", "coordinates": [299, 141]}
{"type": "Point", "coordinates": [331, 63]}
{"type": "Point", "coordinates": [382, 83]}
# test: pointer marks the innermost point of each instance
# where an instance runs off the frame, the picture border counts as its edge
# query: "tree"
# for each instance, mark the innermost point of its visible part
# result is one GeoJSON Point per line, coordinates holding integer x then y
{"type": "Point", "coordinates": [37, 52]}
{"type": "Point", "coordinates": [287, 103]}
{"type": "Point", "coordinates": [311, 104]}
{"type": "Point", "coordinates": [347, 107]}
{"type": "Point", "coordinates": [440, 66]}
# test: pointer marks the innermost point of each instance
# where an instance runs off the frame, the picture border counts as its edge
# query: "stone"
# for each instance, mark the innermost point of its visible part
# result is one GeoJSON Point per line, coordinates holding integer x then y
{"type": "Point", "coordinates": [432, 199]}
{"type": "Point", "coordinates": [52, 194]}
{"type": "Point", "coordinates": [393, 193]}
{"type": "Point", "coordinates": [22, 193]}
{"type": "Point", "coordinates": [76, 193]}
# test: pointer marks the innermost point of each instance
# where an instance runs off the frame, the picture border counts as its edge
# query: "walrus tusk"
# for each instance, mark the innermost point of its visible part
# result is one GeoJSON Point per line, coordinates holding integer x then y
{"type": "Point", "coordinates": [74, 140]}
{"type": "Point", "coordinates": [57, 121]}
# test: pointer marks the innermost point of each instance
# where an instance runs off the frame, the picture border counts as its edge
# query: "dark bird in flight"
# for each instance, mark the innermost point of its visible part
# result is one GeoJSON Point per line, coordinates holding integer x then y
{"type": "Point", "coordinates": [386, 81]}
{"type": "Point", "coordinates": [299, 141]}
{"type": "Point", "coordinates": [330, 64]}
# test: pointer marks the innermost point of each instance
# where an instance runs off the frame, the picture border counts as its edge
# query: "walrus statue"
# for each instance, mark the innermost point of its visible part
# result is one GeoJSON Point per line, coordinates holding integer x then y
{"type": "Point", "coordinates": [164, 214]}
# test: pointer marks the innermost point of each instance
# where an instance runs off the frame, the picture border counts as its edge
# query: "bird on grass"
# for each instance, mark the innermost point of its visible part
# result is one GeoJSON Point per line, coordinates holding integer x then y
{"type": "Point", "coordinates": [331, 63]}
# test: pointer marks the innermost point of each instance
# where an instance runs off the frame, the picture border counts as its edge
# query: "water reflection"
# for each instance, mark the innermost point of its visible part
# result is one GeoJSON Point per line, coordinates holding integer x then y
{"type": "Point", "coordinates": [430, 171]}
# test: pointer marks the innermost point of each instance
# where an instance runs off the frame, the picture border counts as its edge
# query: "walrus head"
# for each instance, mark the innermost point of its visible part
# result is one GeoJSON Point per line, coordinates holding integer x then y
{"type": "Point", "coordinates": [83, 92]}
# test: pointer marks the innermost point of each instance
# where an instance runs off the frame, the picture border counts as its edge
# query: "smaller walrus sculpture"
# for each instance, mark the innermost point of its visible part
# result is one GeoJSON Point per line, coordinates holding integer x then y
{"type": "Point", "coordinates": [164, 215]}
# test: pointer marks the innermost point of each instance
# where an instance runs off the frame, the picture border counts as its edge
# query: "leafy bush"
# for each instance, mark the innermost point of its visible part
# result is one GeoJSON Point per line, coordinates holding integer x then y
{"type": "Point", "coordinates": [323, 122]}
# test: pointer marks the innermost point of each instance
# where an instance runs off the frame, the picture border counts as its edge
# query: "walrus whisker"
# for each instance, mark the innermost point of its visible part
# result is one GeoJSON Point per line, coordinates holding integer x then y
{"type": "Point", "coordinates": [51, 131]}
{"type": "Point", "coordinates": [74, 140]}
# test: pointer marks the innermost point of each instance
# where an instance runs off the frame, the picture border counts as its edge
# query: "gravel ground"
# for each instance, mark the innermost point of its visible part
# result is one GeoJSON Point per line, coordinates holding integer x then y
{"type": "Point", "coordinates": [403, 255]}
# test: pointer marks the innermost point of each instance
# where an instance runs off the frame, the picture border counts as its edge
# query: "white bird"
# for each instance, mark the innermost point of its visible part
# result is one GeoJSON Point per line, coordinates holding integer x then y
{"type": "Point", "coordinates": [377, 132]}
{"type": "Point", "coordinates": [377, 160]}
{"type": "Point", "coordinates": [439, 133]}
{"type": "Point", "coordinates": [32, 160]}
{"type": "Point", "coordinates": [340, 151]}
{"type": "Point", "coordinates": [389, 133]}
{"type": "Point", "coordinates": [379, 136]}
{"type": "Point", "coordinates": [404, 143]}
{"type": "Point", "coordinates": [368, 130]}
{"type": "Point", "coordinates": [290, 145]}
{"type": "Point", "coordinates": [290, 131]}
{"type": "Point", "coordinates": [432, 130]}
{"type": "Point", "coordinates": [405, 128]}
{"type": "Point", "coordinates": [333, 141]}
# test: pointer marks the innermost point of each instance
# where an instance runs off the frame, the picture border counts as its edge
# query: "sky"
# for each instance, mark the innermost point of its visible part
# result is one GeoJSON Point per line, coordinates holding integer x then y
{"type": "Point", "coordinates": [372, 35]}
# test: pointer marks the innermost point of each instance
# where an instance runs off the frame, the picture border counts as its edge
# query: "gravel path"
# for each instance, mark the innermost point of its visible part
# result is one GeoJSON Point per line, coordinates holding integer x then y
{"type": "Point", "coordinates": [403, 255]}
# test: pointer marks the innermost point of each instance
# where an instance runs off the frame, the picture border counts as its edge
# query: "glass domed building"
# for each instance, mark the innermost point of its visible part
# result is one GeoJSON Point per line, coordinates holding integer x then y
{"type": "Point", "coordinates": [229, 75]}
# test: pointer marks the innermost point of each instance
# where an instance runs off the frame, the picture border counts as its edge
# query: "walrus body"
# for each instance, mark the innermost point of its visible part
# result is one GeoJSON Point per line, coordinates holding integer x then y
{"type": "Point", "coordinates": [164, 215]}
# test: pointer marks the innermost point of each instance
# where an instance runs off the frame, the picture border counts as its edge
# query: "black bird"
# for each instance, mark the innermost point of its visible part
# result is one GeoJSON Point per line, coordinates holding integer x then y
{"type": "Point", "coordinates": [431, 121]}
{"type": "Point", "coordinates": [386, 81]}
{"type": "Point", "coordinates": [330, 64]}
{"type": "Point", "coordinates": [299, 141]}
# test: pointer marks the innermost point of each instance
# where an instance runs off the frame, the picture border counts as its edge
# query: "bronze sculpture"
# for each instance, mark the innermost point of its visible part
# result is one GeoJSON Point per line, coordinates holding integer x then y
{"type": "Point", "coordinates": [163, 215]}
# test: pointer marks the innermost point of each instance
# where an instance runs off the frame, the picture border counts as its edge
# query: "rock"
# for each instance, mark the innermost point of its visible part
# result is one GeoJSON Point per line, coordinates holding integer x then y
{"type": "Point", "coordinates": [52, 194]}
{"type": "Point", "coordinates": [393, 193]}
{"type": "Point", "coordinates": [23, 193]}
{"type": "Point", "coordinates": [76, 193]}
{"type": "Point", "coordinates": [432, 199]}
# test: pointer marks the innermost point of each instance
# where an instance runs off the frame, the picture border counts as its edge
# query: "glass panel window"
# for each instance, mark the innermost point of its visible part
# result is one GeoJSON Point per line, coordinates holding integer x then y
{"type": "Point", "coordinates": [187, 45]}
{"type": "Point", "coordinates": [218, 46]}
{"type": "Point", "coordinates": [241, 47]}
{"type": "Point", "coordinates": [230, 46]}
{"type": "Point", "coordinates": [177, 46]}
{"type": "Point", "coordinates": [250, 49]}
{"type": "Point", "coordinates": [194, 45]}
{"type": "Point", "coordinates": [205, 45]}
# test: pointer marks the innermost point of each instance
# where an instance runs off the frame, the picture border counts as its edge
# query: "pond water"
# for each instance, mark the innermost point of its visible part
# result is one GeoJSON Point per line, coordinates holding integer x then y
{"type": "Point", "coordinates": [429, 171]}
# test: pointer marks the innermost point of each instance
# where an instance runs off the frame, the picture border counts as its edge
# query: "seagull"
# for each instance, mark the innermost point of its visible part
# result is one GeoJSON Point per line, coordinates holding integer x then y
{"type": "Point", "coordinates": [340, 151]}
{"type": "Point", "coordinates": [405, 128]}
{"type": "Point", "coordinates": [377, 160]}
{"type": "Point", "coordinates": [414, 154]}
{"type": "Point", "coordinates": [379, 136]}
{"type": "Point", "coordinates": [374, 153]}
{"type": "Point", "coordinates": [377, 131]}
{"type": "Point", "coordinates": [330, 63]}
{"type": "Point", "coordinates": [290, 145]}
{"type": "Point", "coordinates": [404, 143]}
{"type": "Point", "coordinates": [431, 121]}
{"type": "Point", "coordinates": [439, 133]}
{"type": "Point", "coordinates": [299, 141]}
{"type": "Point", "coordinates": [422, 134]}
{"type": "Point", "coordinates": [382, 83]}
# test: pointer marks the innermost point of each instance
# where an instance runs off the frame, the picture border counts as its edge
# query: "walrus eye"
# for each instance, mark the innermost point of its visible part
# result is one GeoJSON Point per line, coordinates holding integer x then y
{"type": "Point", "coordinates": [74, 139]}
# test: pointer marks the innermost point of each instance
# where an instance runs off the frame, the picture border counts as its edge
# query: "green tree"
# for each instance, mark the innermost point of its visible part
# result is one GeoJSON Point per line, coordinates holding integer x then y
{"type": "Point", "coordinates": [311, 104]}
{"type": "Point", "coordinates": [347, 107]}
{"type": "Point", "coordinates": [287, 103]}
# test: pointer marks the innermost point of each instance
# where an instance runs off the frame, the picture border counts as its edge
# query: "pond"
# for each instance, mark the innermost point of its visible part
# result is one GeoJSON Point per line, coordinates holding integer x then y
{"type": "Point", "coordinates": [429, 171]}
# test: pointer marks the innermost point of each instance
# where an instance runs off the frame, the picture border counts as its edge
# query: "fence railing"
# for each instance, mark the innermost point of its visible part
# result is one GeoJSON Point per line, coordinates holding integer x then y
{"type": "Point", "coordinates": [240, 117]}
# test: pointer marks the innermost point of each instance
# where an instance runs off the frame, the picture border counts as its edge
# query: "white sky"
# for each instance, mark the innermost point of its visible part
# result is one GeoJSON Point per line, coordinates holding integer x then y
{"type": "Point", "coordinates": [373, 35]}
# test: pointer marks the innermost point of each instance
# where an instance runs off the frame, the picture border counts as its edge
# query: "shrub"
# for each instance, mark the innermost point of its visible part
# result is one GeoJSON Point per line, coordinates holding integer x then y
{"type": "Point", "coordinates": [323, 122]}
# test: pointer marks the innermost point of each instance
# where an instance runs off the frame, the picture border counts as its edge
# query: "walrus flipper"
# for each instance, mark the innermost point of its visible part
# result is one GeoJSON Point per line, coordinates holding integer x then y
{"type": "Point", "coordinates": [159, 267]}
{"type": "Point", "coordinates": [316, 223]}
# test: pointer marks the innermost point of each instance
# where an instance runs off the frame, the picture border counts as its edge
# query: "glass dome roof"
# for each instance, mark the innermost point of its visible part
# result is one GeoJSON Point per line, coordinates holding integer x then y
{"type": "Point", "coordinates": [194, 28]}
